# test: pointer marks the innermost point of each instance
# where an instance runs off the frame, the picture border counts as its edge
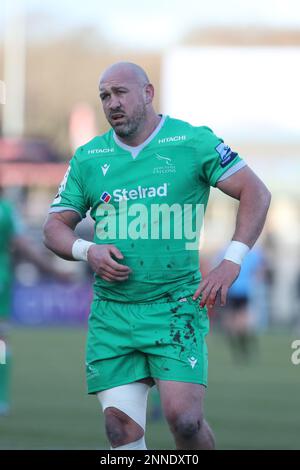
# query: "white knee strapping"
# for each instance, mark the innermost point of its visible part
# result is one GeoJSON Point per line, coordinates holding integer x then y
{"type": "Point", "coordinates": [130, 398]}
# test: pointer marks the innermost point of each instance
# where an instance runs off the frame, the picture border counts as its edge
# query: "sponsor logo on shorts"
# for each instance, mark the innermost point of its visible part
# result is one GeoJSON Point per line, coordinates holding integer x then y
{"type": "Point", "coordinates": [91, 370]}
{"type": "Point", "coordinates": [193, 361]}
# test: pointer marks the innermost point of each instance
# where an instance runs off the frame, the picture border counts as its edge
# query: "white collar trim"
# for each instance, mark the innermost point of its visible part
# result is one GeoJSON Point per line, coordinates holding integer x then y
{"type": "Point", "coordinates": [136, 150]}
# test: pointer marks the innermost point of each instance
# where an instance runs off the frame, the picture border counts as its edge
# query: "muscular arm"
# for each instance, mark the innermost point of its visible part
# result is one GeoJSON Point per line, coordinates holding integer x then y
{"type": "Point", "coordinates": [254, 199]}
{"type": "Point", "coordinates": [59, 233]}
{"type": "Point", "coordinates": [59, 237]}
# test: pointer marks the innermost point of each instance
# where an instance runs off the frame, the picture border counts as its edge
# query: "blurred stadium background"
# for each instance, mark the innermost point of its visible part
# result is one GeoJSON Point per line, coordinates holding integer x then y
{"type": "Point", "coordinates": [229, 65]}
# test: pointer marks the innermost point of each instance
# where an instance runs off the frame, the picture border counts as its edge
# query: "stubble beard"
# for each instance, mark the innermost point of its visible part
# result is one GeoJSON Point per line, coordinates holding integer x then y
{"type": "Point", "coordinates": [132, 125]}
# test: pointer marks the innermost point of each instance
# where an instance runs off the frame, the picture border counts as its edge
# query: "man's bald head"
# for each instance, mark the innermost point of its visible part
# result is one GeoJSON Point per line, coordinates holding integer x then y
{"type": "Point", "coordinates": [125, 71]}
{"type": "Point", "coordinates": [126, 96]}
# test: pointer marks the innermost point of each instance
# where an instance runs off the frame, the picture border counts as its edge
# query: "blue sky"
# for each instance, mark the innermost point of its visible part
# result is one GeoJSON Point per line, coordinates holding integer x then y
{"type": "Point", "coordinates": [157, 23]}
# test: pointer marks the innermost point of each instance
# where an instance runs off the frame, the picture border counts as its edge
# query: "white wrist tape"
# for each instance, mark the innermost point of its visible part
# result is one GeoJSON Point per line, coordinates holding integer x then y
{"type": "Point", "coordinates": [80, 249]}
{"type": "Point", "coordinates": [236, 252]}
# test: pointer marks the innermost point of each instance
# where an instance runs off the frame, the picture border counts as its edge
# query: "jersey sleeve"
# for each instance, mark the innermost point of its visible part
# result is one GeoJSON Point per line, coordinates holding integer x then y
{"type": "Point", "coordinates": [70, 192]}
{"type": "Point", "coordinates": [215, 160]}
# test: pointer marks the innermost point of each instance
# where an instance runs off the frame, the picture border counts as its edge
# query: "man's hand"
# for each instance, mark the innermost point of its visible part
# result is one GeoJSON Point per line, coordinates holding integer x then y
{"type": "Point", "coordinates": [219, 279]}
{"type": "Point", "coordinates": [102, 263]}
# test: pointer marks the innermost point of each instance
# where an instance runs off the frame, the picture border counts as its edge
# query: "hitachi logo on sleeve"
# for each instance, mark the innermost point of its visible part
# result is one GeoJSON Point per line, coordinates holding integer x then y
{"type": "Point", "coordinates": [92, 151]}
{"type": "Point", "coordinates": [140, 193]}
{"type": "Point", "coordinates": [175, 138]}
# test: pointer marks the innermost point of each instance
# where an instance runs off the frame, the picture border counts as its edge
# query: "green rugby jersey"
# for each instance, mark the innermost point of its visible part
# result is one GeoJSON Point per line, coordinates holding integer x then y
{"type": "Point", "coordinates": [147, 201]}
{"type": "Point", "coordinates": [8, 230]}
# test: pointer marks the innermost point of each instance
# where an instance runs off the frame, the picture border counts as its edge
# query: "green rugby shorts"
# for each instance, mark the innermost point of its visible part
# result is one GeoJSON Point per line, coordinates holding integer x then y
{"type": "Point", "coordinates": [130, 341]}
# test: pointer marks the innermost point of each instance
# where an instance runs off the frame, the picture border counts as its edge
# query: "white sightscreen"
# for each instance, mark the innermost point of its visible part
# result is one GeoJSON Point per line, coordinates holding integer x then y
{"type": "Point", "coordinates": [242, 93]}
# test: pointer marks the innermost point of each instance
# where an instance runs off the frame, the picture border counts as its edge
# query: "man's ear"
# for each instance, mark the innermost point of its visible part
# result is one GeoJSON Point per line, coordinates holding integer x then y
{"type": "Point", "coordinates": [148, 93]}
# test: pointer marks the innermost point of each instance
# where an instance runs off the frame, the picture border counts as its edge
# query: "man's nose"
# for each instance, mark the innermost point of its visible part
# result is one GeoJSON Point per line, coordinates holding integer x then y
{"type": "Point", "coordinates": [114, 102]}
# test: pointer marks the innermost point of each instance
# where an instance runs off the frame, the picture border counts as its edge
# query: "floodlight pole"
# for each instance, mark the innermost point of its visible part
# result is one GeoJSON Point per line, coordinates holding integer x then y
{"type": "Point", "coordinates": [14, 68]}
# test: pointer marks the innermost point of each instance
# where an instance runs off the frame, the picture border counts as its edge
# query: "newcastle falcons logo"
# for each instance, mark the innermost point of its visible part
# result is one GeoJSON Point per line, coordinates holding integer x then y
{"type": "Point", "coordinates": [166, 160]}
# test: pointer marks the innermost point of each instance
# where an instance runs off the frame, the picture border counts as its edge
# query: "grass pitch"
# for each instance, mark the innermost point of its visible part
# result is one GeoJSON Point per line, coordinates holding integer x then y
{"type": "Point", "coordinates": [255, 406]}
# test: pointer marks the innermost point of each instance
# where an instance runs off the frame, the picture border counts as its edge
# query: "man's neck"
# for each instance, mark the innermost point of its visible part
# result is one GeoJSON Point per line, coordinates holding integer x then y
{"type": "Point", "coordinates": [142, 134]}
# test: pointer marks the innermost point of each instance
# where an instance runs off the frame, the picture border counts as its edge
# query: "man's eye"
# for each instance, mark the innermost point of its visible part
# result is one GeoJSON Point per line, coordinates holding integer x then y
{"type": "Point", "coordinates": [103, 97]}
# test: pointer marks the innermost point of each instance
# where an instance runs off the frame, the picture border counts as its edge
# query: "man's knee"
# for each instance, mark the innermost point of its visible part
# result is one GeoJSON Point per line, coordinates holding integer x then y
{"type": "Point", "coordinates": [125, 414]}
{"type": "Point", "coordinates": [120, 428]}
{"type": "Point", "coordinates": [185, 424]}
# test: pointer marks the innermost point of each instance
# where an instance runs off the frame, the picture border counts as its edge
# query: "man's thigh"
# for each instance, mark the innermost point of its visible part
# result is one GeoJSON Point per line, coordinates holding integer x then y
{"type": "Point", "coordinates": [108, 373]}
{"type": "Point", "coordinates": [111, 358]}
{"type": "Point", "coordinates": [172, 335]}
{"type": "Point", "coordinates": [181, 398]}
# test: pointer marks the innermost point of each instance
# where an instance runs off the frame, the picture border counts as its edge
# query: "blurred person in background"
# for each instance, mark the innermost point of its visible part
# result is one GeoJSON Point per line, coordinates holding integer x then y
{"type": "Point", "coordinates": [13, 240]}
{"type": "Point", "coordinates": [240, 321]}
{"type": "Point", "coordinates": [146, 323]}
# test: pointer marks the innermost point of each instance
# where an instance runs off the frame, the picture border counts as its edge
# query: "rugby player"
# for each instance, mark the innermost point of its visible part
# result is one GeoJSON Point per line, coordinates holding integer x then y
{"type": "Point", "coordinates": [148, 319]}
{"type": "Point", "coordinates": [12, 238]}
